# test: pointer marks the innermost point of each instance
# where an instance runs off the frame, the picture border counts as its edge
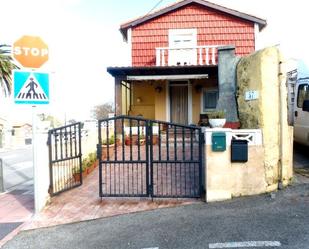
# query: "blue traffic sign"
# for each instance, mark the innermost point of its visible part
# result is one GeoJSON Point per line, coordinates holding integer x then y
{"type": "Point", "coordinates": [31, 87]}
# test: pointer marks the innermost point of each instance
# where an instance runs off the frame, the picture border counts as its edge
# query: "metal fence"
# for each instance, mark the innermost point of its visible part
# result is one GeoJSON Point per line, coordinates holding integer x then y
{"type": "Point", "coordinates": [65, 158]}
{"type": "Point", "coordinates": [140, 157]}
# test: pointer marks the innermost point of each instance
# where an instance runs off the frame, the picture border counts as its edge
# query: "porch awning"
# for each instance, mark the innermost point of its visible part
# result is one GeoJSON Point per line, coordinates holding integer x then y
{"type": "Point", "coordinates": [163, 73]}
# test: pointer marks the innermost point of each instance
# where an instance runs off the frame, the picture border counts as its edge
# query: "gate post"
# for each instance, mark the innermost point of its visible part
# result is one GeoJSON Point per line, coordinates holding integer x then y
{"type": "Point", "coordinates": [202, 167]}
{"type": "Point", "coordinates": [149, 149]}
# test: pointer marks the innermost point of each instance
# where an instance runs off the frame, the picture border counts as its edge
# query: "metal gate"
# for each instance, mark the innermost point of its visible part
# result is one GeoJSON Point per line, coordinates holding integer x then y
{"type": "Point", "coordinates": [65, 158]}
{"type": "Point", "coordinates": [141, 158]}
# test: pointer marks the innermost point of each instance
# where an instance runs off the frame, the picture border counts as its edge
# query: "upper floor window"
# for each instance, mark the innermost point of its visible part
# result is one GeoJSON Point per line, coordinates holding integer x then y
{"type": "Point", "coordinates": [182, 46]}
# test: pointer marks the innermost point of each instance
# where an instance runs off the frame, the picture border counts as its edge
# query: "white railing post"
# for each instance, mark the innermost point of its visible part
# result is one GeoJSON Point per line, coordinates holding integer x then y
{"type": "Point", "coordinates": [213, 58]}
{"type": "Point", "coordinates": [207, 55]}
{"type": "Point", "coordinates": [163, 52]}
{"type": "Point", "coordinates": [200, 57]}
{"type": "Point", "coordinates": [163, 57]}
{"type": "Point", "coordinates": [158, 57]}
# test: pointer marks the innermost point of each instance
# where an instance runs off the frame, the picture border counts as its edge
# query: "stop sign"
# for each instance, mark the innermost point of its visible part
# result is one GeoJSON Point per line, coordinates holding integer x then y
{"type": "Point", "coordinates": [30, 51]}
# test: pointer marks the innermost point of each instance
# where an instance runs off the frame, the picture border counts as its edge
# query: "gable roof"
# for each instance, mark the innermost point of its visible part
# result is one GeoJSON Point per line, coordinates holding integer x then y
{"type": "Point", "coordinates": [124, 27]}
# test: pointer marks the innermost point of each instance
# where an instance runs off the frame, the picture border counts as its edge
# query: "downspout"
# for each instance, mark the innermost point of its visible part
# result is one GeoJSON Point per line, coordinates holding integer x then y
{"type": "Point", "coordinates": [282, 104]}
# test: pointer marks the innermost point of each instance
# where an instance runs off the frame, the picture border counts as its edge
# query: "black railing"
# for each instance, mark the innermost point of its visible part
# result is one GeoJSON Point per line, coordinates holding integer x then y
{"type": "Point", "coordinates": [65, 158]}
{"type": "Point", "coordinates": [141, 157]}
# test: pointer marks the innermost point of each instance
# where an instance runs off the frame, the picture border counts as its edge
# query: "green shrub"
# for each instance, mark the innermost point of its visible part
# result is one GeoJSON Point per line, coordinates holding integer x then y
{"type": "Point", "coordinates": [216, 114]}
{"type": "Point", "coordinates": [111, 140]}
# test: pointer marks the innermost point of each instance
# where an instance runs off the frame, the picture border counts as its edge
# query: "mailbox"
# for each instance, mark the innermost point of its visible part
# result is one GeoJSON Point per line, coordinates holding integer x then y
{"type": "Point", "coordinates": [218, 141]}
{"type": "Point", "coordinates": [239, 150]}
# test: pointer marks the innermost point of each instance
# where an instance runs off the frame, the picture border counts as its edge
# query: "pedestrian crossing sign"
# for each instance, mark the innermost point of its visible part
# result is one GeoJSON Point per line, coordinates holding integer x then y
{"type": "Point", "coordinates": [31, 87]}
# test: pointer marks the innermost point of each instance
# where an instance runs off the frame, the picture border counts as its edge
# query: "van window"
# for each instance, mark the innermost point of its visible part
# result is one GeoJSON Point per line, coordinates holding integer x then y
{"type": "Point", "coordinates": [303, 94]}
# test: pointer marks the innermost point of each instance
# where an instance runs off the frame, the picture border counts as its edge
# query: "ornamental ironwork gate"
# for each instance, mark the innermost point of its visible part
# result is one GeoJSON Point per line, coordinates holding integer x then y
{"type": "Point", "coordinates": [65, 158]}
{"type": "Point", "coordinates": [149, 158]}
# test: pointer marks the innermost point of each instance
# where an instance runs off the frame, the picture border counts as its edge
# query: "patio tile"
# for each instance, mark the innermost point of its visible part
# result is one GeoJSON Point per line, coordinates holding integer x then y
{"type": "Point", "coordinates": [84, 203]}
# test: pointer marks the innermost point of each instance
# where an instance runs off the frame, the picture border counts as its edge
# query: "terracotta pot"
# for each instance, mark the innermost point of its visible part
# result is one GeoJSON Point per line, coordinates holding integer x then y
{"type": "Point", "coordinates": [110, 149]}
{"type": "Point", "coordinates": [128, 141]}
{"type": "Point", "coordinates": [76, 177]}
{"type": "Point", "coordinates": [155, 139]}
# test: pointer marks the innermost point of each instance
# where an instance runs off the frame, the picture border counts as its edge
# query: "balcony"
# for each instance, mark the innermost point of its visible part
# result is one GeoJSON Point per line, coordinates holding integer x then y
{"type": "Point", "coordinates": [199, 55]}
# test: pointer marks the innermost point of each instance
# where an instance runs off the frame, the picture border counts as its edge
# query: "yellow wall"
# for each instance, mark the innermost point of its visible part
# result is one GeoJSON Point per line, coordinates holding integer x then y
{"type": "Point", "coordinates": [153, 103]}
{"type": "Point", "coordinates": [145, 92]}
{"type": "Point", "coordinates": [160, 101]}
{"type": "Point", "coordinates": [260, 72]}
{"type": "Point", "coordinates": [125, 92]}
{"type": "Point", "coordinates": [197, 90]}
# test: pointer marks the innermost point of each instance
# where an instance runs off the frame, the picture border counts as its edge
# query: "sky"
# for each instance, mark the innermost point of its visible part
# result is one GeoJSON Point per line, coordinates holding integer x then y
{"type": "Point", "coordinates": [84, 39]}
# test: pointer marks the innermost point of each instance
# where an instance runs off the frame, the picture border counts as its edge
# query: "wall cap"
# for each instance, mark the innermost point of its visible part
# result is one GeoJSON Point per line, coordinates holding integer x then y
{"type": "Point", "coordinates": [253, 136]}
{"type": "Point", "coordinates": [229, 47]}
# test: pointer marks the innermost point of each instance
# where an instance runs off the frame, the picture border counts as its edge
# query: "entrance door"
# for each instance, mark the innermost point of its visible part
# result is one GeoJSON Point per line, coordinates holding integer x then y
{"type": "Point", "coordinates": [179, 103]}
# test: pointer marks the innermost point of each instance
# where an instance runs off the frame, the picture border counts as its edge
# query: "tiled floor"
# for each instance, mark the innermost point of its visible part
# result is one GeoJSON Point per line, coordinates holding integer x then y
{"type": "Point", "coordinates": [83, 203]}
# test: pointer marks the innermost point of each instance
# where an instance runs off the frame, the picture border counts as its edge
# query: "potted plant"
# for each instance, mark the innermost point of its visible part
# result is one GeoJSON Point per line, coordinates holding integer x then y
{"type": "Point", "coordinates": [76, 173]}
{"type": "Point", "coordinates": [85, 165]}
{"type": "Point", "coordinates": [93, 159]}
{"type": "Point", "coordinates": [141, 140]}
{"type": "Point", "coordinates": [217, 119]}
{"type": "Point", "coordinates": [128, 140]}
{"type": "Point", "coordinates": [108, 147]}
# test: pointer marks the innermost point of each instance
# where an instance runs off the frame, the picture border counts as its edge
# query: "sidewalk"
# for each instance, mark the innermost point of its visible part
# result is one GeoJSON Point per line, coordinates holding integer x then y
{"type": "Point", "coordinates": [16, 207]}
{"type": "Point", "coordinates": [83, 203]}
{"type": "Point", "coordinates": [79, 204]}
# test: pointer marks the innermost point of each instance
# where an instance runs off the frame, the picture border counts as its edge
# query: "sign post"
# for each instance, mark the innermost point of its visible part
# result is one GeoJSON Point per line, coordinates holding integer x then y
{"type": "Point", "coordinates": [31, 87]}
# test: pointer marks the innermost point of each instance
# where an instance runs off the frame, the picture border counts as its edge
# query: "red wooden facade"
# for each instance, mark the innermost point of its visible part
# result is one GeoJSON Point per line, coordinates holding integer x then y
{"type": "Point", "coordinates": [213, 28]}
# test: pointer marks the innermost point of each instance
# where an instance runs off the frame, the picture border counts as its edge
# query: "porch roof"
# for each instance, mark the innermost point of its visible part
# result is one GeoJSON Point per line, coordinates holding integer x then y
{"type": "Point", "coordinates": [164, 71]}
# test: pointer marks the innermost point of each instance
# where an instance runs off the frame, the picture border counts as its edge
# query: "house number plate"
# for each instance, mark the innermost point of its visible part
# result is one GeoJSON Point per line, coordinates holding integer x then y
{"type": "Point", "coordinates": [251, 95]}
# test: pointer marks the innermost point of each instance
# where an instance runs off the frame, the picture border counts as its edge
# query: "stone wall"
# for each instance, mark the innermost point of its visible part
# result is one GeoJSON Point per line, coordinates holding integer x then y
{"type": "Point", "coordinates": [262, 72]}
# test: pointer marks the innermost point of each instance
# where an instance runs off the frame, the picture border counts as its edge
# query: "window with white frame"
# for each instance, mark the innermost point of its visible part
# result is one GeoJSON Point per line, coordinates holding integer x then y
{"type": "Point", "coordinates": [209, 99]}
{"type": "Point", "coordinates": [182, 47]}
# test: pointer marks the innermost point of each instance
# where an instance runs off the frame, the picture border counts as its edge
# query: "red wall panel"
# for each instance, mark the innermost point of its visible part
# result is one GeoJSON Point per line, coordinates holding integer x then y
{"type": "Point", "coordinates": [213, 28]}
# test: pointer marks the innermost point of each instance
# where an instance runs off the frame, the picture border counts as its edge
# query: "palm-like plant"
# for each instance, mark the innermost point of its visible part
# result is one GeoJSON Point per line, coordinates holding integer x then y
{"type": "Point", "coordinates": [6, 67]}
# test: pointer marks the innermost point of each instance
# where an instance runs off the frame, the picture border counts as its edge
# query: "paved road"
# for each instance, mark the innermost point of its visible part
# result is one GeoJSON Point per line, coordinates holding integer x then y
{"type": "Point", "coordinates": [281, 220]}
{"type": "Point", "coordinates": [17, 169]}
{"type": "Point", "coordinates": [301, 156]}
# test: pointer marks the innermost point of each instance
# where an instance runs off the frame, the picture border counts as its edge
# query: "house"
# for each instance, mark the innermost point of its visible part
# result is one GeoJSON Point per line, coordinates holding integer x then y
{"type": "Point", "coordinates": [21, 134]}
{"type": "Point", "coordinates": [183, 62]}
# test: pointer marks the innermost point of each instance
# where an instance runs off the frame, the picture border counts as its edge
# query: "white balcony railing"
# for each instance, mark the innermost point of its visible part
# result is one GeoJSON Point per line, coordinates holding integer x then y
{"type": "Point", "coordinates": [199, 55]}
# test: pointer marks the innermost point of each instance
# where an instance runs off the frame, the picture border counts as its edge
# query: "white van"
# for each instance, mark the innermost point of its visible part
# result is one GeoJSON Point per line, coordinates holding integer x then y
{"type": "Point", "coordinates": [301, 111]}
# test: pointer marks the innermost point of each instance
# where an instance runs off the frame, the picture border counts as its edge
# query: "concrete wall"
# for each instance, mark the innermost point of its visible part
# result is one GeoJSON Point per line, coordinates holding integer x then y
{"type": "Point", "coordinates": [41, 170]}
{"type": "Point", "coordinates": [227, 62]}
{"type": "Point", "coordinates": [263, 72]}
{"type": "Point", "coordinates": [225, 179]}
{"type": "Point", "coordinates": [90, 141]}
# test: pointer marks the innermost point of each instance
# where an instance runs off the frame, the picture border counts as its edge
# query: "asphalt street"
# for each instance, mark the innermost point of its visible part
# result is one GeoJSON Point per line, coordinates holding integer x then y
{"type": "Point", "coordinates": [281, 219]}
{"type": "Point", "coordinates": [17, 168]}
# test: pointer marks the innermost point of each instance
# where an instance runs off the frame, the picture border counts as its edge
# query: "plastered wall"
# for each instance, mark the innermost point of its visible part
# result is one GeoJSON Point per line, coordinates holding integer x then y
{"type": "Point", "coordinates": [263, 72]}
